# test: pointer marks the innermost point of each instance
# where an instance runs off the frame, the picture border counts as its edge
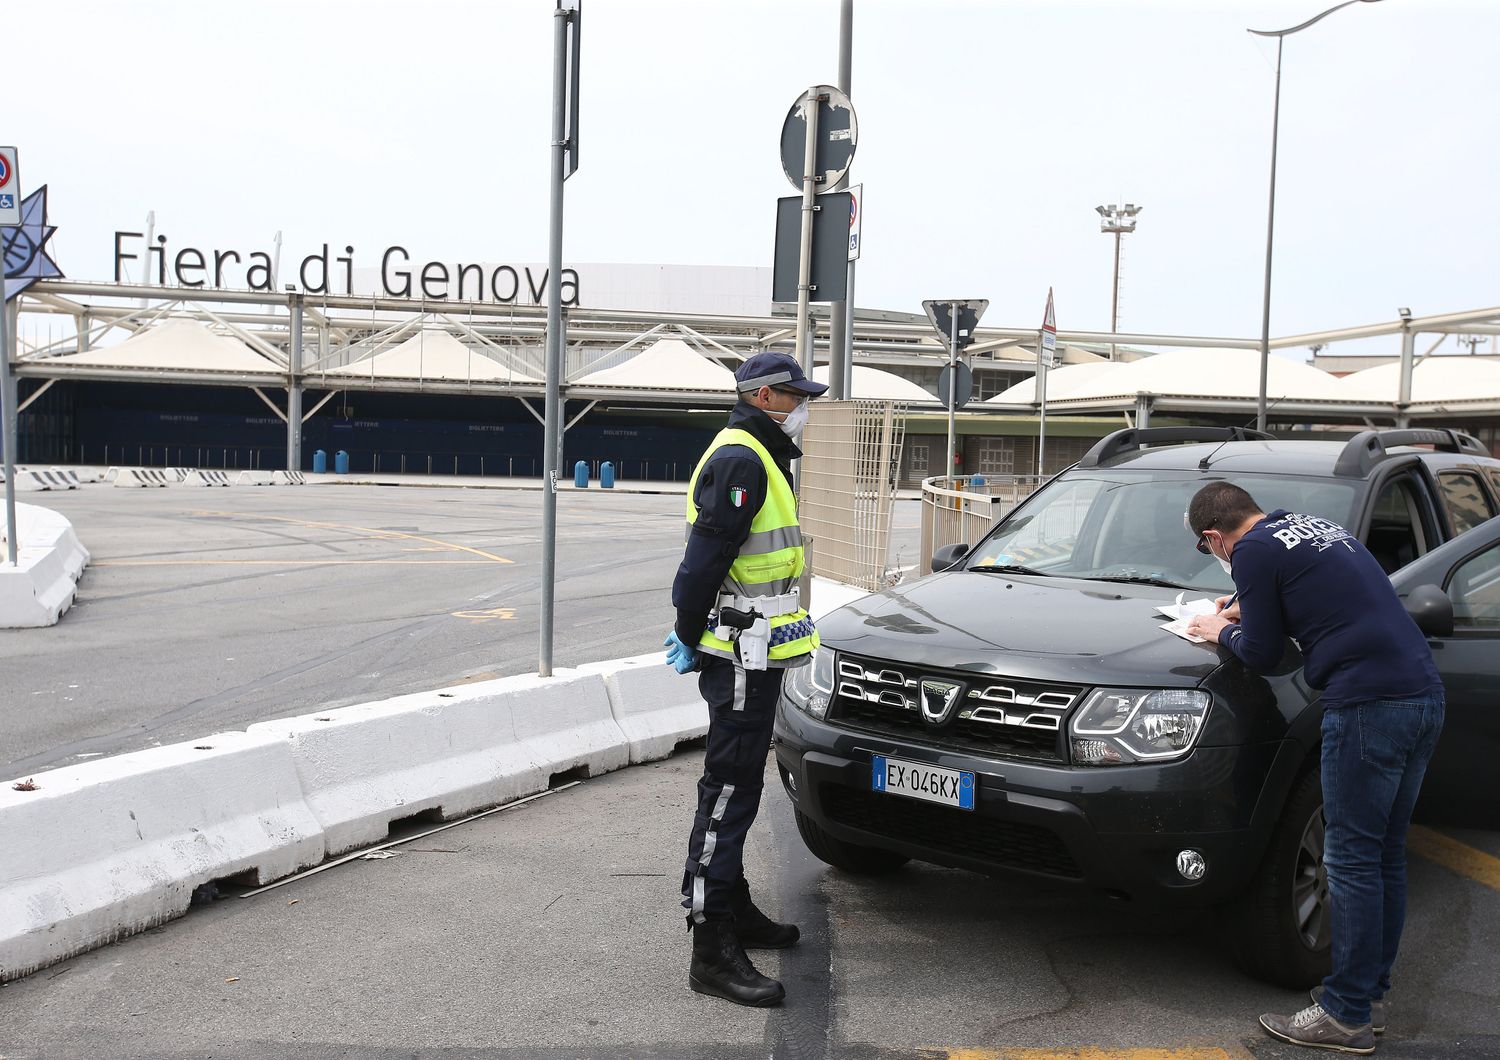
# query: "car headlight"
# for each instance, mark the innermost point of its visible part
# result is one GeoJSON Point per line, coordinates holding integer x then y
{"type": "Point", "coordinates": [1120, 725]}
{"type": "Point", "coordinates": [809, 688]}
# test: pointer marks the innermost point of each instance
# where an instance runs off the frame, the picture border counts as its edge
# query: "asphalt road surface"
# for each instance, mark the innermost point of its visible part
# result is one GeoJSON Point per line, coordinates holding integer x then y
{"type": "Point", "coordinates": [551, 931]}
{"type": "Point", "coordinates": [209, 609]}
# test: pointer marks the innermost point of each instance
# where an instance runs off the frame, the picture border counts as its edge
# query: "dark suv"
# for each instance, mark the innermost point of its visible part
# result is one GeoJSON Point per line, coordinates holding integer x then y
{"type": "Point", "coordinates": [972, 718]}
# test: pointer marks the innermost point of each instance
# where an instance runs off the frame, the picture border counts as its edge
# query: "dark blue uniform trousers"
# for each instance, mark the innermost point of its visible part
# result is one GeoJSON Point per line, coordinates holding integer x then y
{"type": "Point", "coordinates": [741, 710]}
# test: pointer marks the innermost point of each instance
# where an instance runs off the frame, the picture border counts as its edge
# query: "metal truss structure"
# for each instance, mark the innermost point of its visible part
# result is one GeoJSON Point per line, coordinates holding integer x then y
{"type": "Point", "coordinates": [304, 337]}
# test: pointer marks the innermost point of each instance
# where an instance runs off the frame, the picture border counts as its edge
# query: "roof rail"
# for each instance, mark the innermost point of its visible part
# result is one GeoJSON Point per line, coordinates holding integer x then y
{"type": "Point", "coordinates": [1368, 448]}
{"type": "Point", "coordinates": [1131, 439]}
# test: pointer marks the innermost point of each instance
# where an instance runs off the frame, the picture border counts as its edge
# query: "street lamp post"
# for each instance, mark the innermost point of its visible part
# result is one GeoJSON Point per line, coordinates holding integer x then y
{"type": "Point", "coordinates": [1117, 220]}
{"type": "Point", "coordinates": [1265, 312]}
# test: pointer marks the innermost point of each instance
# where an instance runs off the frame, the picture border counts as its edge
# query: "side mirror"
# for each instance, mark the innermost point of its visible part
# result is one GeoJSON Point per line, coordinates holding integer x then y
{"type": "Point", "coordinates": [1432, 611]}
{"type": "Point", "coordinates": [948, 555]}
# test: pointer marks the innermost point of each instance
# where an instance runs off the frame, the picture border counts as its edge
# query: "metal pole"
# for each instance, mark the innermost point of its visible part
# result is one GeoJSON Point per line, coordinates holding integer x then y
{"type": "Point", "coordinates": [1114, 304]}
{"type": "Point", "coordinates": [848, 361]}
{"type": "Point", "coordinates": [8, 428]}
{"type": "Point", "coordinates": [552, 437]}
{"type": "Point", "coordinates": [1408, 364]}
{"type": "Point", "coordinates": [1041, 397]}
{"type": "Point", "coordinates": [804, 260]}
{"type": "Point", "coordinates": [1265, 314]}
{"type": "Point", "coordinates": [952, 383]}
{"type": "Point", "coordinates": [294, 391]}
{"type": "Point", "coordinates": [840, 317]}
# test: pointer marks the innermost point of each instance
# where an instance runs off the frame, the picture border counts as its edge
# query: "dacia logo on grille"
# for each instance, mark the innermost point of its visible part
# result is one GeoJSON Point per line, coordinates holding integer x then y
{"type": "Point", "coordinates": [938, 698]}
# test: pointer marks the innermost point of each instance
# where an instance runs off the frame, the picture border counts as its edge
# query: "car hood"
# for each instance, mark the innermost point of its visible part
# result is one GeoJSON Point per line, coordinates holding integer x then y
{"type": "Point", "coordinates": [1035, 628]}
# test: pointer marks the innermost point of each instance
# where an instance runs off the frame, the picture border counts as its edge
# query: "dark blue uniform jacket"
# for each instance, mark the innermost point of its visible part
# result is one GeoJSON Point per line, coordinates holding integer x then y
{"type": "Point", "coordinates": [1307, 577]}
{"type": "Point", "coordinates": [730, 490]}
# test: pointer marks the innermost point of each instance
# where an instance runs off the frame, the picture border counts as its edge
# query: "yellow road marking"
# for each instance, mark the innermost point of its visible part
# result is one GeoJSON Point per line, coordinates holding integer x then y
{"type": "Point", "coordinates": [1451, 854]}
{"type": "Point", "coordinates": [1092, 1052]}
{"type": "Point", "coordinates": [384, 534]}
{"type": "Point", "coordinates": [283, 562]}
{"type": "Point", "coordinates": [484, 616]}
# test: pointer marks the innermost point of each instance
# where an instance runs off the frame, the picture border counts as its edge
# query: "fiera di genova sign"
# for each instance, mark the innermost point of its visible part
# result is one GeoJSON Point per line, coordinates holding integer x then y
{"type": "Point", "coordinates": [319, 274]}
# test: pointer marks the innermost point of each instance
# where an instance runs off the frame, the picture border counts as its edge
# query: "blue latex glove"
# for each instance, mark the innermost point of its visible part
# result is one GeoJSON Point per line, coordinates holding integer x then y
{"type": "Point", "coordinates": [679, 656]}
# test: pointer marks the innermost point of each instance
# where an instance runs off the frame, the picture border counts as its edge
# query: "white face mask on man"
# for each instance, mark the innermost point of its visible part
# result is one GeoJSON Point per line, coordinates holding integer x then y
{"type": "Point", "coordinates": [1222, 561]}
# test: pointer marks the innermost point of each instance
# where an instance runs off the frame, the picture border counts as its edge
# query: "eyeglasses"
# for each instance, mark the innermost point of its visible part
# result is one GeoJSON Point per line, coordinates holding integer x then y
{"type": "Point", "coordinates": [1202, 545]}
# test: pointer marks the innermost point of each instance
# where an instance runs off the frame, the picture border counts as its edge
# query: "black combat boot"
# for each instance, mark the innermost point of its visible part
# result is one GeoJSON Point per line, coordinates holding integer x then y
{"type": "Point", "coordinates": [756, 930]}
{"type": "Point", "coordinates": [720, 968]}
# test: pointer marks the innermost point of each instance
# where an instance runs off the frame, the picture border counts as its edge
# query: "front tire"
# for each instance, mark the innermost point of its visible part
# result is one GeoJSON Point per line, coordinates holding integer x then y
{"type": "Point", "coordinates": [1281, 927]}
{"type": "Point", "coordinates": [851, 857]}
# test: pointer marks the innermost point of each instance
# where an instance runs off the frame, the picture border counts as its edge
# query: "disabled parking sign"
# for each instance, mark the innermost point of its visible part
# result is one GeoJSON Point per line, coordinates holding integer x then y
{"type": "Point", "coordinates": [10, 188]}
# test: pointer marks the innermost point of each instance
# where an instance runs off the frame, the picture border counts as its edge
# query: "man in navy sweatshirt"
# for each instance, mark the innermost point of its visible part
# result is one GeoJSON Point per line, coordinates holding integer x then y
{"type": "Point", "coordinates": [1308, 578]}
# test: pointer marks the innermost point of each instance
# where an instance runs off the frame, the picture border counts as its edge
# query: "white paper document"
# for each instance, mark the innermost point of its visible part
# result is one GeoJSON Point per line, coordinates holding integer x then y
{"type": "Point", "coordinates": [1187, 609]}
{"type": "Point", "coordinates": [1184, 611]}
{"type": "Point", "coordinates": [1179, 627]}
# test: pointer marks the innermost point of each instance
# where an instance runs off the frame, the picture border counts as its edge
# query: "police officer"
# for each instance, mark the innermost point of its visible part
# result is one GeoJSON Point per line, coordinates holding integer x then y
{"type": "Point", "coordinates": [740, 624]}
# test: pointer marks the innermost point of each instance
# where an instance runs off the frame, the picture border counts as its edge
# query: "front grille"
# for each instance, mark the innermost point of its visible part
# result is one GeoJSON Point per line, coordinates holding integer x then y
{"type": "Point", "coordinates": [992, 716]}
{"type": "Point", "coordinates": [959, 832]}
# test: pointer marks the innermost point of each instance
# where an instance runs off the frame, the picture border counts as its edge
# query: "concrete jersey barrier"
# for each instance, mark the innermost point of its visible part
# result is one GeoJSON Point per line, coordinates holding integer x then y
{"type": "Point", "coordinates": [42, 584]}
{"type": "Point", "coordinates": [206, 478]}
{"type": "Point", "coordinates": [131, 477]}
{"type": "Point", "coordinates": [447, 753]}
{"type": "Point", "coordinates": [105, 849]}
{"type": "Point", "coordinates": [656, 707]}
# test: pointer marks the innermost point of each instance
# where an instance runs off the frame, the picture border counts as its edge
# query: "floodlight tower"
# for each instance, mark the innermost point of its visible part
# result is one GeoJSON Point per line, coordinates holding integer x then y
{"type": "Point", "coordinates": [1116, 220]}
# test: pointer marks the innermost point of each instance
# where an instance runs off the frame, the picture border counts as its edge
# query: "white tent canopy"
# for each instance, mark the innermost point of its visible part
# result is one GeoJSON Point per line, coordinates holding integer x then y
{"type": "Point", "coordinates": [1211, 373]}
{"type": "Point", "coordinates": [435, 355]}
{"type": "Point", "coordinates": [667, 364]}
{"type": "Point", "coordinates": [1434, 380]}
{"type": "Point", "coordinates": [877, 384]}
{"type": "Point", "coordinates": [176, 345]}
{"type": "Point", "coordinates": [1061, 382]}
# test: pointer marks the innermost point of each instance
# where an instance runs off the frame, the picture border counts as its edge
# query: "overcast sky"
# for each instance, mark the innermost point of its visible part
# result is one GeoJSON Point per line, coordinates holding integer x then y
{"type": "Point", "coordinates": [988, 134]}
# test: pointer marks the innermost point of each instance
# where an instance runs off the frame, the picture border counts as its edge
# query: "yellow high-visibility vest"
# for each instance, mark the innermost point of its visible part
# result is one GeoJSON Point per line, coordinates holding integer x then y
{"type": "Point", "coordinates": [771, 560]}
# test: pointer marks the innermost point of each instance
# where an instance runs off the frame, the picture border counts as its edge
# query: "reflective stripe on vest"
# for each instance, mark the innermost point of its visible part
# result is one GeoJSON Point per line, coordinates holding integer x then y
{"type": "Point", "coordinates": [772, 558]}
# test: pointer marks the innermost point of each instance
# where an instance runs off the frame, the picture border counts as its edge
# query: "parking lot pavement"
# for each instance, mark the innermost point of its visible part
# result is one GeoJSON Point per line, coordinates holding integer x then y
{"type": "Point", "coordinates": [551, 930]}
{"type": "Point", "coordinates": [206, 610]}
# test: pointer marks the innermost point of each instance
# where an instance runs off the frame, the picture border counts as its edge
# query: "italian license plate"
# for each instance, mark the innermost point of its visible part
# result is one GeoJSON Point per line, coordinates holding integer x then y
{"type": "Point", "coordinates": [948, 787]}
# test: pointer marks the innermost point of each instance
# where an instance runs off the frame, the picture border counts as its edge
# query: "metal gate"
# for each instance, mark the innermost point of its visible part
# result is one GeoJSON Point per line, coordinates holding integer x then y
{"type": "Point", "coordinates": [846, 483]}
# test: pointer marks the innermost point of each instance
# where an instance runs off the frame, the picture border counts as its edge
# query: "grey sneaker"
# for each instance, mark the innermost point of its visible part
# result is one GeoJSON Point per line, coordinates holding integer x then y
{"type": "Point", "coordinates": [1318, 1030]}
{"type": "Point", "coordinates": [1378, 1010]}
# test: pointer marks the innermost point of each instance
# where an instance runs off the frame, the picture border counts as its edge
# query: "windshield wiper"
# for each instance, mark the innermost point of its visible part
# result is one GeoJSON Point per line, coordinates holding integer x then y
{"type": "Point", "coordinates": [1006, 568]}
{"type": "Point", "coordinates": [1136, 579]}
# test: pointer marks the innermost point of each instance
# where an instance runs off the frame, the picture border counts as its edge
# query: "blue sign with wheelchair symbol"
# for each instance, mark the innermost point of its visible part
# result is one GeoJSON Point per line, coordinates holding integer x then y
{"type": "Point", "coordinates": [7, 202]}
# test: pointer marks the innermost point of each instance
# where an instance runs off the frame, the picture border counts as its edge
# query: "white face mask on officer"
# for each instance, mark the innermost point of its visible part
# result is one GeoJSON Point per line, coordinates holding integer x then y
{"type": "Point", "coordinates": [793, 422]}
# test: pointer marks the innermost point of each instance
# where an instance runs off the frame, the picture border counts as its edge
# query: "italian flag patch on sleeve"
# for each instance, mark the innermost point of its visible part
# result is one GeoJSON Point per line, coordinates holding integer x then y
{"type": "Point", "coordinates": [737, 495]}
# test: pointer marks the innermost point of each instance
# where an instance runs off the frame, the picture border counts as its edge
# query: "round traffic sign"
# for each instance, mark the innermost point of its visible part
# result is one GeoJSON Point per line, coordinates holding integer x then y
{"type": "Point", "coordinates": [962, 382]}
{"type": "Point", "coordinates": [4, 171]}
{"type": "Point", "coordinates": [837, 133]}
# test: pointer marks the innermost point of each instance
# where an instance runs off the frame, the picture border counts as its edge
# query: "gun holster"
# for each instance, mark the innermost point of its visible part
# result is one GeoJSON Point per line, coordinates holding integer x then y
{"type": "Point", "coordinates": [749, 632]}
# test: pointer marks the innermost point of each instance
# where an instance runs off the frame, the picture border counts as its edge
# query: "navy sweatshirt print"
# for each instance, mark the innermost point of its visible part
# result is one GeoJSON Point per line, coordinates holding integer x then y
{"type": "Point", "coordinates": [1307, 577]}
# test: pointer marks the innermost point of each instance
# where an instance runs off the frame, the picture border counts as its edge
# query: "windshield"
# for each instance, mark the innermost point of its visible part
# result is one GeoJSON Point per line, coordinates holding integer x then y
{"type": "Point", "coordinates": [1130, 525]}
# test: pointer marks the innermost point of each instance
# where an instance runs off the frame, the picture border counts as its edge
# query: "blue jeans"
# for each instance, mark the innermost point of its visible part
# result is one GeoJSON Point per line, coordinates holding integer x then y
{"type": "Point", "coordinates": [1374, 756]}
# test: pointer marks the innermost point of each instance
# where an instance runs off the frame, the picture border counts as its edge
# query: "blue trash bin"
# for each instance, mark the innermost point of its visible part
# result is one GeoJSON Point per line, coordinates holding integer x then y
{"type": "Point", "coordinates": [320, 462]}
{"type": "Point", "coordinates": [976, 480]}
{"type": "Point", "coordinates": [581, 474]}
{"type": "Point", "coordinates": [607, 475]}
{"type": "Point", "coordinates": [341, 462]}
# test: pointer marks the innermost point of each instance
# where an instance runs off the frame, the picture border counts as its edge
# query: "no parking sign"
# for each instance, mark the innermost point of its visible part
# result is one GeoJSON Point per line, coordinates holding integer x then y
{"type": "Point", "coordinates": [10, 188]}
